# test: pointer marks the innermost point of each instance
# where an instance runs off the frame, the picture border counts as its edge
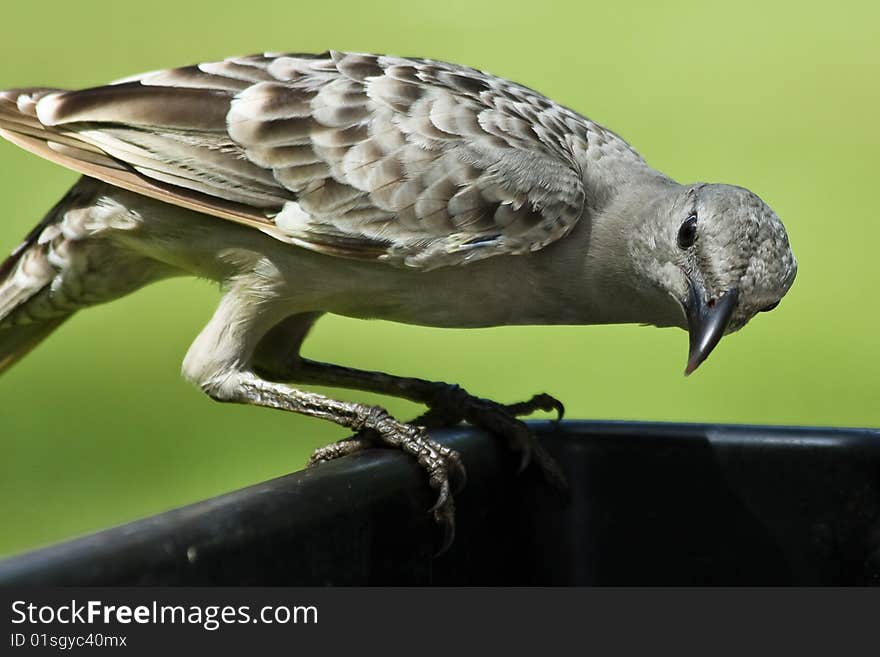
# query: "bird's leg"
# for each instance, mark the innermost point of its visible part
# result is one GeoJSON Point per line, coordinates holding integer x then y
{"type": "Point", "coordinates": [440, 416]}
{"type": "Point", "coordinates": [440, 462]}
{"type": "Point", "coordinates": [448, 404]}
{"type": "Point", "coordinates": [222, 362]}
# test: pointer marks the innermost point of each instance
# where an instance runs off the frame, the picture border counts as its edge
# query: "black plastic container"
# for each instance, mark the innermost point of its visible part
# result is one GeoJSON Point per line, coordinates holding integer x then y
{"type": "Point", "coordinates": [650, 504]}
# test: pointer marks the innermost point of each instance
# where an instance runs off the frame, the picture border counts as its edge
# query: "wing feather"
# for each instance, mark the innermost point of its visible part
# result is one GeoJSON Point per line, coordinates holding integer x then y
{"type": "Point", "coordinates": [415, 162]}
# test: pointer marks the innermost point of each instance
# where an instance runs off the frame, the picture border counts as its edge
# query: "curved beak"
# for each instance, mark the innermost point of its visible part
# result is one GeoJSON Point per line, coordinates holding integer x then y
{"type": "Point", "coordinates": [707, 322]}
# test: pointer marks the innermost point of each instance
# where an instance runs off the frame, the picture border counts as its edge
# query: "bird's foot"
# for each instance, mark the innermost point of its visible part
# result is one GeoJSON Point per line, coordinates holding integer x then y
{"type": "Point", "coordinates": [540, 402]}
{"type": "Point", "coordinates": [451, 404]}
{"type": "Point", "coordinates": [448, 405]}
{"type": "Point", "coordinates": [443, 465]}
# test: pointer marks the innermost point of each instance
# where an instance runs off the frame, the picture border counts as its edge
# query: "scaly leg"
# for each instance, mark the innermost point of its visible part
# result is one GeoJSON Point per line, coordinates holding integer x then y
{"type": "Point", "coordinates": [448, 404]}
{"type": "Point", "coordinates": [440, 462]}
{"type": "Point", "coordinates": [277, 358]}
{"type": "Point", "coordinates": [222, 360]}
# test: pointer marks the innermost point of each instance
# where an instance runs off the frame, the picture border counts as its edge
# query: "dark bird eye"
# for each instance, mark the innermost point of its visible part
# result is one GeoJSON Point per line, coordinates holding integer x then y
{"type": "Point", "coordinates": [687, 234]}
{"type": "Point", "coordinates": [767, 309]}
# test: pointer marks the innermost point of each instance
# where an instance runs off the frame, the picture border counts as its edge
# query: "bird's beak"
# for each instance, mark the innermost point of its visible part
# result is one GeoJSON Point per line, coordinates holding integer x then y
{"type": "Point", "coordinates": [707, 321]}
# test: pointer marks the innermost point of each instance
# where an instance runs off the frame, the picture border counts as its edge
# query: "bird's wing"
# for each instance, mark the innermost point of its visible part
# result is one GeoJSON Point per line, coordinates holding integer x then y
{"type": "Point", "coordinates": [411, 161]}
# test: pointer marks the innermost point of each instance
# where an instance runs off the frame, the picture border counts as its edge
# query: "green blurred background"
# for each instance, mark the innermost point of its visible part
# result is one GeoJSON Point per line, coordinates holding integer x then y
{"type": "Point", "coordinates": [96, 426]}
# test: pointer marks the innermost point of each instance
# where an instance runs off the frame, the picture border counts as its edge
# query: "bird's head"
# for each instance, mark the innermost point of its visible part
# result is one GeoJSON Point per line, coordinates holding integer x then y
{"type": "Point", "coordinates": [721, 253]}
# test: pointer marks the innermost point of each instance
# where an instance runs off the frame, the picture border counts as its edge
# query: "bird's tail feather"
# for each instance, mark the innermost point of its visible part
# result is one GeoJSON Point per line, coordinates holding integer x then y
{"type": "Point", "coordinates": [22, 275]}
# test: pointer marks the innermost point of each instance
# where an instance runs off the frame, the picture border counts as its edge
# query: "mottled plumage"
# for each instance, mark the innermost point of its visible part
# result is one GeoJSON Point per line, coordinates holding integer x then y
{"type": "Point", "coordinates": [492, 204]}
{"type": "Point", "coordinates": [407, 160]}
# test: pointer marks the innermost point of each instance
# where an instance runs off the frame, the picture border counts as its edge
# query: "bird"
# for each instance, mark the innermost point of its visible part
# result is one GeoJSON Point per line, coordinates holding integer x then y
{"type": "Point", "coordinates": [374, 187]}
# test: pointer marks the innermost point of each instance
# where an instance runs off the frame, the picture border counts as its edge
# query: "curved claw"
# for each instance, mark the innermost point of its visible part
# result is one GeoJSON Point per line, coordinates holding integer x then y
{"type": "Point", "coordinates": [442, 498]}
{"type": "Point", "coordinates": [445, 520]}
{"type": "Point", "coordinates": [550, 403]}
{"type": "Point", "coordinates": [455, 468]}
{"type": "Point", "coordinates": [560, 411]}
{"type": "Point", "coordinates": [458, 474]}
{"type": "Point", "coordinates": [540, 402]}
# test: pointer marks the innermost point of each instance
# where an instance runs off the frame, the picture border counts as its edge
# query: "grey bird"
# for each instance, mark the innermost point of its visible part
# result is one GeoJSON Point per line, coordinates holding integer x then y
{"type": "Point", "coordinates": [371, 186]}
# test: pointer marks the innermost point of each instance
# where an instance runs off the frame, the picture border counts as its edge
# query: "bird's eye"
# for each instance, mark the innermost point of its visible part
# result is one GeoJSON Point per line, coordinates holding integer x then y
{"type": "Point", "coordinates": [767, 309]}
{"type": "Point", "coordinates": [687, 234]}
